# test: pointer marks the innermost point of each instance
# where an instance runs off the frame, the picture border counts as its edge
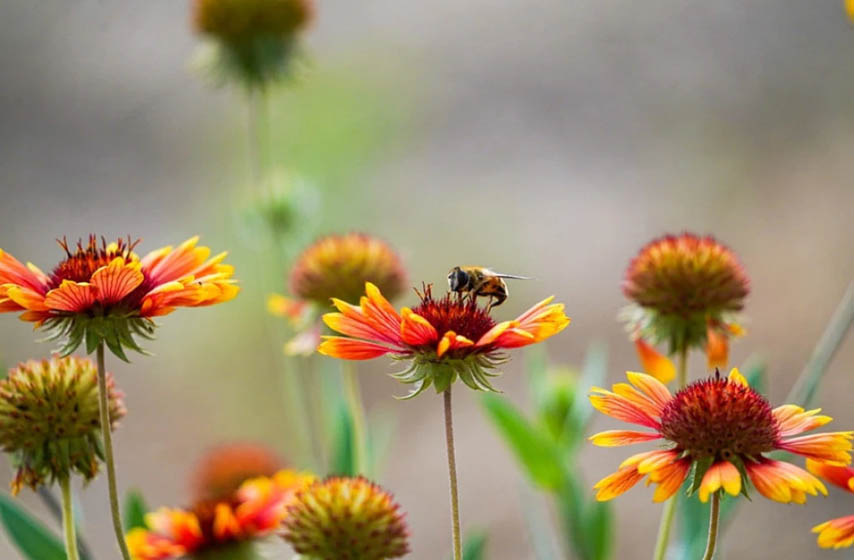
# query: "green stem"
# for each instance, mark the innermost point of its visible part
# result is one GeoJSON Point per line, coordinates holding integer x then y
{"type": "Point", "coordinates": [452, 476]}
{"type": "Point", "coordinates": [106, 427]}
{"type": "Point", "coordinates": [68, 519]}
{"type": "Point", "coordinates": [667, 515]}
{"type": "Point", "coordinates": [713, 526]}
{"type": "Point", "coordinates": [54, 507]}
{"type": "Point", "coordinates": [353, 395]}
{"type": "Point", "coordinates": [805, 387]}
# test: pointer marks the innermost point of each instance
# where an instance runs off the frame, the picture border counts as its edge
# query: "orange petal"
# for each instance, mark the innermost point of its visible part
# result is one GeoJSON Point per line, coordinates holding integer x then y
{"type": "Point", "coordinates": [616, 438]}
{"type": "Point", "coordinates": [13, 272]}
{"type": "Point", "coordinates": [290, 308]}
{"type": "Point", "coordinates": [613, 485]}
{"type": "Point", "coordinates": [720, 475]}
{"type": "Point", "coordinates": [651, 387]}
{"type": "Point", "coordinates": [835, 474]}
{"type": "Point", "coordinates": [839, 532]}
{"type": "Point", "coordinates": [832, 446]}
{"type": "Point", "coordinates": [146, 545]}
{"type": "Point", "coordinates": [620, 408]}
{"type": "Point", "coordinates": [670, 479]}
{"type": "Point", "coordinates": [535, 325]}
{"type": "Point", "coordinates": [451, 341]}
{"type": "Point", "coordinates": [783, 482]}
{"type": "Point", "coordinates": [794, 420]}
{"type": "Point", "coordinates": [349, 326]}
{"type": "Point", "coordinates": [26, 298]}
{"type": "Point", "coordinates": [351, 349]}
{"type": "Point", "coordinates": [652, 408]}
{"type": "Point", "coordinates": [116, 280]}
{"type": "Point", "coordinates": [653, 362]}
{"type": "Point", "coordinates": [717, 348]}
{"type": "Point", "coordinates": [72, 296]}
{"type": "Point", "coordinates": [492, 334]}
{"type": "Point", "coordinates": [415, 330]}
{"type": "Point", "coordinates": [225, 524]}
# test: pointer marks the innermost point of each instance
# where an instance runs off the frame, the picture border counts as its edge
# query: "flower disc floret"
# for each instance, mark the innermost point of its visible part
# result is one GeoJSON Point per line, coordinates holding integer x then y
{"type": "Point", "coordinates": [718, 431]}
{"type": "Point", "coordinates": [346, 519]}
{"type": "Point", "coordinates": [49, 420]}
{"type": "Point", "coordinates": [424, 337]}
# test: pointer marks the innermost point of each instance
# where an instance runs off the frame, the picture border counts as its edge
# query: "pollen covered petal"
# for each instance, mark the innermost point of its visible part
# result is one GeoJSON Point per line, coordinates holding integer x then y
{"type": "Point", "coordinates": [415, 330]}
{"type": "Point", "coordinates": [654, 363]}
{"type": "Point", "coordinates": [621, 408]}
{"type": "Point", "coordinates": [835, 474]}
{"type": "Point", "coordinates": [617, 438]}
{"type": "Point", "coordinates": [831, 446]}
{"type": "Point", "coordinates": [117, 280]}
{"type": "Point", "coordinates": [351, 349]}
{"type": "Point", "coordinates": [72, 296]}
{"type": "Point", "coordinates": [615, 484]}
{"type": "Point", "coordinates": [839, 532]}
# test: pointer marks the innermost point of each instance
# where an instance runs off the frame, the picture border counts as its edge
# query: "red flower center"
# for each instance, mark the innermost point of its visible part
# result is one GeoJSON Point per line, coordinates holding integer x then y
{"type": "Point", "coordinates": [720, 418]}
{"type": "Point", "coordinates": [81, 263]}
{"type": "Point", "coordinates": [453, 313]}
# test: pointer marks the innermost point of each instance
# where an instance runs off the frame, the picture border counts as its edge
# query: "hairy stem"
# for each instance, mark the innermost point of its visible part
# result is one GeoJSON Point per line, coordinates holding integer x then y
{"type": "Point", "coordinates": [353, 395]}
{"type": "Point", "coordinates": [713, 526]}
{"type": "Point", "coordinates": [664, 526]}
{"type": "Point", "coordinates": [68, 519]}
{"type": "Point", "coordinates": [452, 476]}
{"type": "Point", "coordinates": [106, 428]}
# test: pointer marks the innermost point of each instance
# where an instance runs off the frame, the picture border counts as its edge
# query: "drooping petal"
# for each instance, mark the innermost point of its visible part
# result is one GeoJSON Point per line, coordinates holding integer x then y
{"type": "Point", "coordinates": [720, 475]}
{"type": "Point", "coordinates": [615, 484]}
{"type": "Point", "coordinates": [351, 349]}
{"type": "Point", "coordinates": [415, 330]}
{"type": "Point", "coordinates": [652, 461]}
{"type": "Point", "coordinates": [669, 479]}
{"type": "Point", "coordinates": [71, 296]}
{"type": "Point", "coordinates": [621, 408]}
{"type": "Point", "coordinates": [717, 348]}
{"type": "Point", "coordinates": [616, 438]}
{"type": "Point", "coordinates": [13, 272]}
{"type": "Point", "coordinates": [839, 532]}
{"type": "Point", "coordinates": [783, 482]}
{"type": "Point", "coordinates": [654, 363]}
{"type": "Point", "coordinates": [831, 446]}
{"type": "Point", "coordinates": [794, 420]}
{"type": "Point", "coordinates": [116, 280]}
{"type": "Point", "coordinates": [842, 477]}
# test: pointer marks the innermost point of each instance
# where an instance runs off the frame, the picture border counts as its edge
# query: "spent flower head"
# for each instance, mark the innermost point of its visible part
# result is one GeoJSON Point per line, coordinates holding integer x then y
{"type": "Point", "coordinates": [681, 286]}
{"type": "Point", "coordinates": [718, 431]}
{"type": "Point", "coordinates": [346, 519]}
{"type": "Point", "coordinates": [440, 339]}
{"type": "Point", "coordinates": [49, 421]}
{"type": "Point", "coordinates": [224, 525]}
{"type": "Point", "coordinates": [253, 40]}
{"type": "Point", "coordinates": [103, 292]}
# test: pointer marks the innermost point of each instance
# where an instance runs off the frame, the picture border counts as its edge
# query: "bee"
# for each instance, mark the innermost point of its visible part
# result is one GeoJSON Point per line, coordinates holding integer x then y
{"type": "Point", "coordinates": [476, 281]}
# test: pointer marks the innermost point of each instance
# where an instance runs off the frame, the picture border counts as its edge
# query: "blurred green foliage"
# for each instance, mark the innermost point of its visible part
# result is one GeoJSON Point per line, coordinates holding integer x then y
{"type": "Point", "coordinates": [33, 539]}
{"type": "Point", "coordinates": [546, 445]}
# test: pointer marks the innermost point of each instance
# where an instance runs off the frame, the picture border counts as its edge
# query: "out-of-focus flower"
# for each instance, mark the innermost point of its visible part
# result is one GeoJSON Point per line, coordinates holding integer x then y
{"type": "Point", "coordinates": [254, 39]}
{"type": "Point", "coordinates": [284, 213]}
{"type": "Point", "coordinates": [255, 510]}
{"type": "Point", "coordinates": [685, 290]}
{"type": "Point", "coordinates": [335, 266]}
{"type": "Point", "coordinates": [720, 429]}
{"type": "Point", "coordinates": [49, 420]}
{"type": "Point", "coordinates": [849, 8]}
{"type": "Point", "coordinates": [342, 518]}
{"type": "Point", "coordinates": [106, 293]}
{"type": "Point", "coordinates": [223, 469]}
{"type": "Point", "coordinates": [440, 338]}
{"type": "Point", "coordinates": [839, 532]}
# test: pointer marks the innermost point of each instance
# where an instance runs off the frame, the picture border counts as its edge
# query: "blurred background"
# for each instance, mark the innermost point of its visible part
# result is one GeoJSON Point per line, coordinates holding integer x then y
{"type": "Point", "coordinates": [547, 138]}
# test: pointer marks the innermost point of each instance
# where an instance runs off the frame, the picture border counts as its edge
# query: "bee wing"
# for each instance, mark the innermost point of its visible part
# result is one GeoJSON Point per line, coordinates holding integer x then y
{"type": "Point", "coordinates": [512, 276]}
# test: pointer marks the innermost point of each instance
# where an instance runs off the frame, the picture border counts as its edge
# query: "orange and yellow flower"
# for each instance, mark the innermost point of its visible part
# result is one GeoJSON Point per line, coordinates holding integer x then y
{"type": "Point", "coordinates": [839, 532]}
{"type": "Point", "coordinates": [720, 429]}
{"type": "Point", "coordinates": [105, 292]}
{"type": "Point", "coordinates": [223, 469]}
{"type": "Point", "coordinates": [256, 510]}
{"type": "Point", "coordinates": [685, 290]}
{"type": "Point", "coordinates": [441, 338]}
{"type": "Point", "coordinates": [335, 266]}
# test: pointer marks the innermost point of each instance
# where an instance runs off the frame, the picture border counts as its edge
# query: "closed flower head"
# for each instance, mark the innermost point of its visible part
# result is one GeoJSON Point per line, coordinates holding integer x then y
{"type": "Point", "coordinates": [718, 431]}
{"type": "Point", "coordinates": [49, 420]}
{"type": "Point", "coordinates": [103, 292]}
{"type": "Point", "coordinates": [346, 519]}
{"type": "Point", "coordinates": [441, 339]}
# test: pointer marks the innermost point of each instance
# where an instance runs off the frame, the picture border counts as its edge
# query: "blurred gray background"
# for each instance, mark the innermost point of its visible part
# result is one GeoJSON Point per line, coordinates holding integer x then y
{"type": "Point", "coordinates": [550, 138]}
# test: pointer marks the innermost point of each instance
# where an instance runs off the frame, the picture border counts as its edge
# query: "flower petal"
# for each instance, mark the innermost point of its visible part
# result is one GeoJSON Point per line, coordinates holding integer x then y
{"type": "Point", "coordinates": [13, 272]}
{"type": "Point", "coordinates": [831, 446]}
{"type": "Point", "coordinates": [615, 484]}
{"type": "Point", "coordinates": [415, 330]}
{"type": "Point", "coordinates": [669, 479]}
{"type": "Point", "coordinates": [542, 321]}
{"type": "Point", "coordinates": [351, 349]}
{"type": "Point", "coordinates": [621, 408]}
{"type": "Point", "coordinates": [736, 377]}
{"type": "Point", "coordinates": [794, 420]}
{"type": "Point", "coordinates": [783, 482]}
{"type": "Point", "coordinates": [651, 386]}
{"type": "Point", "coordinates": [653, 362]}
{"type": "Point", "coordinates": [835, 474]}
{"type": "Point", "coordinates": [839, 532]}
{"type": "Point", "coordinates": [617, 438]}
{"type": "Point", "coordinates": [451, 341]}
{"type": "Point", "coordinates": [720, 475]}
{"type": "Point", "coordinates": [72, 296]}
{"type": "Point", "coordinates": [116, 280]}
{"type": "Point", "coordinates": [26, 298]}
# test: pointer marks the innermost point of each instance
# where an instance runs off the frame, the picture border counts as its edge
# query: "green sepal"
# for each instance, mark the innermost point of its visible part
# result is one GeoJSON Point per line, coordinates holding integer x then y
{"type": "Point", "coordinates": [117, 329]}
{"type": "Point", "coordinates": [698, 471]}
{"type": "Point", "coordinates": [742, 470]}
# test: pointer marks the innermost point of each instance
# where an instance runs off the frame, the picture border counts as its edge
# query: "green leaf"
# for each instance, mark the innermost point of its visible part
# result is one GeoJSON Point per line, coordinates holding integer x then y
{"type": "Point", "coordinates": [598, 531]}
{"type": "Point", "coordinates": [534, 449]}
{"type": "Point", "coordinates": [134, 510]}
{"type": "Point", "coordinates": [474, 546]}
{"type": "Point", "coordinates": [343, 461]}
{"type": "Point", "coordinates": [33, 539]}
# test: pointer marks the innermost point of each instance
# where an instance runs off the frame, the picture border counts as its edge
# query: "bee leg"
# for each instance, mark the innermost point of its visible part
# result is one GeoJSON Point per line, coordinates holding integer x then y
{"type": "Point", "coordinates": [489, 305]}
